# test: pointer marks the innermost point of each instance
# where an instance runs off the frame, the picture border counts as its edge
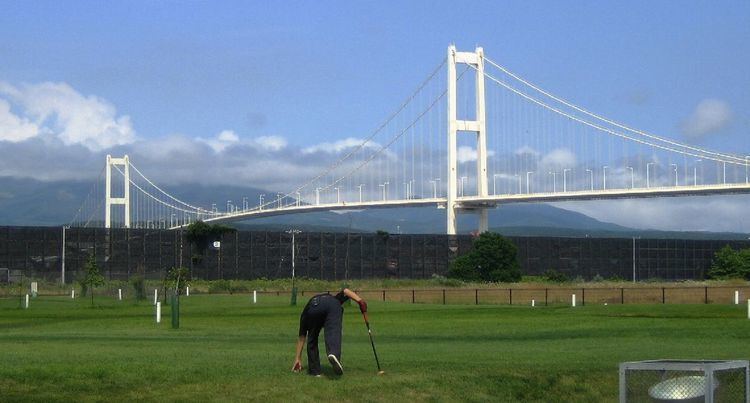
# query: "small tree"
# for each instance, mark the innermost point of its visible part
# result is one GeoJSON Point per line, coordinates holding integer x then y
{"type": "Point", "coordinates": [177, 278]}
{"type": "Point", "coordinates": [93, 278]}
{"type": "Point", "coordinates": [492, 258]}
{"type": "Point", "coordinates": [730, 263]}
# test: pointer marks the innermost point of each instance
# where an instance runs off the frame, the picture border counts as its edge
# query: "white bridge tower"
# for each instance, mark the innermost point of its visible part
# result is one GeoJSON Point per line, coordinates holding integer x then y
{"type": "Point", "coordinates": [477, 127]}
{"type": "Point", "coordinates": [125, 200]}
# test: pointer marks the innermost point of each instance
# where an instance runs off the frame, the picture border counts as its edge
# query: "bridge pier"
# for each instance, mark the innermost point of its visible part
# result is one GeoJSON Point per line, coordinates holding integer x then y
{"type": "Point", "coordinates": [456, 125]}
{"type": "Point", "coordinates": [109, 201]}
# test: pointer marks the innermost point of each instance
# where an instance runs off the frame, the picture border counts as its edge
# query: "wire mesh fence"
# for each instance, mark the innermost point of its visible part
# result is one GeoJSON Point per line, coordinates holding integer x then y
{"type": "Point", "coordinates": [38, 252]}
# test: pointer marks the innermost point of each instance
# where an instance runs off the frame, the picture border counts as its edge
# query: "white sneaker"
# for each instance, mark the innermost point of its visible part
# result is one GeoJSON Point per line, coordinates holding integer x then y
{"type": "Point", "coordinates": [337, 368]}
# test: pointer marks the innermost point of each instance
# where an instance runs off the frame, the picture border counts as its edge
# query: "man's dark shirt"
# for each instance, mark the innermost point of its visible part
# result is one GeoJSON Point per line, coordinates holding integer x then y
{"type": "Point", "coordinates": [305, 321]}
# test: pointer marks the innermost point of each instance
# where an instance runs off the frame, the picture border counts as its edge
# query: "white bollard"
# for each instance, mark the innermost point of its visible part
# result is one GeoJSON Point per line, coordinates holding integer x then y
{"type": "Point", "coordinates": [27, 301]}
{"type": "Point", "coordinates": [255, 296]}
{"type": "Point", "coordinates": [187, 291]}
{"type": "Point", "coordinates": [736, 297]}
{"type": "Point", "coordinates": [72, 293]}
{"type": "Point", "coordinates": [156, 296]}
{"type": "Point", "coordinates": [119, 294]}
{"type": "Point", "coordinates": [573, 300]}
{"type": "Point", "coordinates": [748, 309]}
{"type": "Point", "coordinates": [158, 312]}
{"type": "Point", "coordinates": [532, 302]}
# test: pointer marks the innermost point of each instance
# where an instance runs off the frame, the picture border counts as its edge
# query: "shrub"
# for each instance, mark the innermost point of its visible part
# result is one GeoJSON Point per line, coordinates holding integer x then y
{"type": "Point", "coordinates": [729, 263]}
{"type": "Point", "coordinates": [219, 287]}
{"type": "Point", "coordinates": [237, 286]}
{"type": "Point", "coordinates": [492, 258]}
{"type": "Point", "coordinates": [555, 276]}
{"type": "Point", "coordinates": [446, 282]}
{"type": "Point", "coordinates": [139, 287]}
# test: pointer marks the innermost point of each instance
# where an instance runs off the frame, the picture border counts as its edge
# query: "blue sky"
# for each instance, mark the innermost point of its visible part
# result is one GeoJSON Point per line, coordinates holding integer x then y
{"type": "Point", "coordinates": [279, 74]}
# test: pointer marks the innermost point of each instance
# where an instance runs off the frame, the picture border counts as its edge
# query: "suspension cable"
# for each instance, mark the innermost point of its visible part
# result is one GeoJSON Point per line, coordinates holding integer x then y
{"type": "Point", "coordinates": [614, 123]}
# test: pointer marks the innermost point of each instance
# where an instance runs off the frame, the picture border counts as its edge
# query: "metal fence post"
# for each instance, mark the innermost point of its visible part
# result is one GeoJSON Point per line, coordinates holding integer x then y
{"type": "Point", "coordinates": [412, 296]}
{"type": "Point", "coordinates": [383, 295]}
{"type": "Point", "coordinates": [622, 295]}
{"type": "Point", "coordinates": [510, 295]}
{"type": "Point", "coordinates": [476, 296]}
{"type": "Point", "coordinates": [663, 298]}
{"type": "Point", "coordinates": [443, 296]}
{"type": "Point", "coordinates": [583, 296]}
{"type": "Point", "coordinates": [545, 296]}
{"type": "Point", "coordinates": [706, 294]}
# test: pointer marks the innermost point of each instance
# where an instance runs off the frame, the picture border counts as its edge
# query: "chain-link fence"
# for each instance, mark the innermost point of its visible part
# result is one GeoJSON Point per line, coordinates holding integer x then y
{"type": "Point", "coordinates": [684, 381]}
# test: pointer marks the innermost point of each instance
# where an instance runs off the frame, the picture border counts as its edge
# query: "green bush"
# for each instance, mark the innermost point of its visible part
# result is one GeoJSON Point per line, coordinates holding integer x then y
{"type": "Point", "coordinates": [139, 287]}
{"type": "Point", "coordinates": [555, 276]}
{"type": "Point", "coordinates": [219, 287]}
{"type": "Point", "coordinates": [445, 282]}
{"type": "Point", "coordinates": [237, 286]}
{"type": "Point", "coordinates": [492, 258]}
{"type": "Point", "coordinates": [729, 263]}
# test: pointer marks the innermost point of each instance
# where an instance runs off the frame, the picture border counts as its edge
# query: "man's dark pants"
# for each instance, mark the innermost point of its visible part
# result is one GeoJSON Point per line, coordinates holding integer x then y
{"type": "Point", "coordinates": [326, 314]}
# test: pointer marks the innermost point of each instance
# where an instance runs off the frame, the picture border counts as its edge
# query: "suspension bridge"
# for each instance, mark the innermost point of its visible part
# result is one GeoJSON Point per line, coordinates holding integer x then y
{"type": "Point", "coordinates": [472, 136]}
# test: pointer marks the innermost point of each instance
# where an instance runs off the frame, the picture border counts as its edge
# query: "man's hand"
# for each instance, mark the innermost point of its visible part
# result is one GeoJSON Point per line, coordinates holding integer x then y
{"type": "Point", "coordinates": [362, 306]}
{"type": "Point", "coordinates": [297, 366]}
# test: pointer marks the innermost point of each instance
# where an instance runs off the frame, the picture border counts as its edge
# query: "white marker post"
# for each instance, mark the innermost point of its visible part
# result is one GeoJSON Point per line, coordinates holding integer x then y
{"type": "Point", "coordinates": [27, 301]}
{"type": "Point", "coordinates": [736, 297]}
{"type": "Point", "coordinates": [532, 303]}
{"type": "Point", "coordinates": [158, 312]}
{"type": "Point", "coordinates": [187, 291]}
{"type": "Point", "coordinates": [573, 300]}
{"type": "Point", "coordinates": [748, 309]}
{"type": "Point", "coordinates": [72, 294]}
{"type": "Point", "coordinates": [255, 296]}
{"type": "Point", "coordinates": [156, 296]}
{"type": "Point", "coordinates": [119, 294]}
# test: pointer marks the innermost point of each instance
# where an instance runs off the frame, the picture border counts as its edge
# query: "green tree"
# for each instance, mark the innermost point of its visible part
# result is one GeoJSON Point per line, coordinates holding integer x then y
{"type": "Point", "coordinates": [177, 278]}
{"type": "Point", "coordinates": [200, 234]}
{"type": "Point", "coordinates": [93, 277]}
{"type": "Point", "coordinates": [492, 258]}
{"type": "Point", "coordinates": [730, 263]}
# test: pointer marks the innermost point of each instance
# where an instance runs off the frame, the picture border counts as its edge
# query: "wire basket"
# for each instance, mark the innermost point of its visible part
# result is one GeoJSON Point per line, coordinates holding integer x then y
{"type": "Point", "coordinates": [684, 381]}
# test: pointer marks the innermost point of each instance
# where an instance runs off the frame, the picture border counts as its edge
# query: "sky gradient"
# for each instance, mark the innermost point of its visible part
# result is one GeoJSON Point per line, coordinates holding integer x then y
{"type": "Point", "coordinates": [254, 79]}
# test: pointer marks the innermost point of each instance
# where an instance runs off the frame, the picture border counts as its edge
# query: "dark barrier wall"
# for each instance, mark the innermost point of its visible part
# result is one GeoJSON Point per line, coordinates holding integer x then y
{"type": "Point", "coordinates": [36, 252]}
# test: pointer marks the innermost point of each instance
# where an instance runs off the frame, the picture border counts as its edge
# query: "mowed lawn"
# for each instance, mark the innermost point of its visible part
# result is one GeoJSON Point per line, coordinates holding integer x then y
{"type": "Point", "coordinates": [228, 349]}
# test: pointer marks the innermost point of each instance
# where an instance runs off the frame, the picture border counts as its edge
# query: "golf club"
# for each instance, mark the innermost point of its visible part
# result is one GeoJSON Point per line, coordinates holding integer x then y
{"type": "Point", "coordinates": [372, 342]}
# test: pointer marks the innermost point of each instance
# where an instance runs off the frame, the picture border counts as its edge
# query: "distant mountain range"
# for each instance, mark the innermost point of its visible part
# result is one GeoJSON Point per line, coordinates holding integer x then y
{"type": "Point", "coordinates": [37, 203]}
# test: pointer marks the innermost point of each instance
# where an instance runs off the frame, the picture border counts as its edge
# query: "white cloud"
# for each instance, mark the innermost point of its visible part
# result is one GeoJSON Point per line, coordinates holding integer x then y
{"type": "Point", "coordinates": [70, 116]}
{"type": "Point", "coordinates": [337, 146]}
{"type": "Point", "coordinates": [670, 213]}
{"type": "Point", "coordinates": [469, 154]}
{"type": "Point", "coordinates": [221, 141]}
{"type": "Point", "coordinates": [559, 158]}
{"type": "Point", "coordinates": [228, 136]}
{"type": "Point", "coordinates": [526, 150]}
{"type": "Point", "coordinates": [14, 128]}
{"type": "Point", "coordinates": [270, 143]}
{"type": "Point", "coordinates": [709, 116]}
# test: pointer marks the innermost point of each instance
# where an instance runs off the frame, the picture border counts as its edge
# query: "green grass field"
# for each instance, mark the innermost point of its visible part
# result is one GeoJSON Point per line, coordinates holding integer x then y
{"type": "Point", "coordinates": [228, 349]}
